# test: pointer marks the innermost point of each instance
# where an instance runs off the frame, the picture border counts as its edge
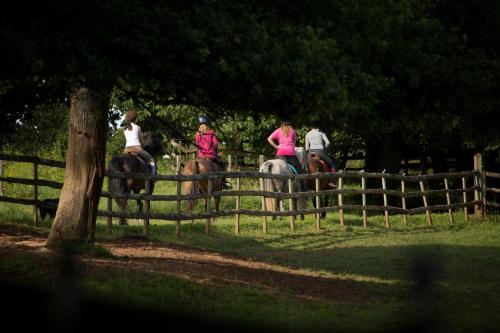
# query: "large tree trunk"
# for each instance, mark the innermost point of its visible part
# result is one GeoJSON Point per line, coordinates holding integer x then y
{"type": "Point", "coordinates": [1, 175]}
{"type": "Point", "coordinates": [85, 163]}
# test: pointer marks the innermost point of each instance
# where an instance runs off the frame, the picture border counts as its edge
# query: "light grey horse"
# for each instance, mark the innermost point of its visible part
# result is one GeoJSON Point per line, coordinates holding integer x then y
{"type": "Point", "coordinates": [279, 167]}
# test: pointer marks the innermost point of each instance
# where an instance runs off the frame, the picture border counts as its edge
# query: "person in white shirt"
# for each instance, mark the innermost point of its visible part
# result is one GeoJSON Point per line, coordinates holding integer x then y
{"type": "Point", "coordinates": [133, 137]}
{"type": "Point", "coordinates": [317, 142]}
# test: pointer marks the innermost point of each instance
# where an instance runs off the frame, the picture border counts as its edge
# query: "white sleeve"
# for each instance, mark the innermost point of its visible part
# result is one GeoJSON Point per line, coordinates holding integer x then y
{"type": "Point", "coordinates": [327, 142]}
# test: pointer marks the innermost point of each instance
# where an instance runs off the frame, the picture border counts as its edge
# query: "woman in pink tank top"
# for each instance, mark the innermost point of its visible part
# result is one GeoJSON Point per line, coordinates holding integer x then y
{"type": "Point", "coordinates": [286, 137]}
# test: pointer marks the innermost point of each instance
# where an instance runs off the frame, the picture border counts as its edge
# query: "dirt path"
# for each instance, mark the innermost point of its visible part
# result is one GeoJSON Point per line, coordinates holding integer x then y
{"type": "Point", "coordinates": [204, 267]}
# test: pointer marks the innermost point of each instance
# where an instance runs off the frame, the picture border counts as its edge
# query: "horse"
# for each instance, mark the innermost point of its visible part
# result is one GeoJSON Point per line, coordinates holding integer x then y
{"type": "Point", "coordinates": [315, 164]}
{"type": "Point", "coordinates": [201, 166]}
{"type": "Point", "coordinates": [131, 163]}
{"type": "Point", "coordinates": [280, 167]}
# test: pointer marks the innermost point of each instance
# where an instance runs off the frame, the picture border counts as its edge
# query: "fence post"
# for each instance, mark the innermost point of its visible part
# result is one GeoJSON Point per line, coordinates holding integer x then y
{"type": "Point", "coordinates": [178, 206]}
{"type": "Point", "coordinates": [403, 201]}
{"type": "Point", "coordinates": [177, 164]}
{"type": "Point", "coordinates": [110, 209]}
{"type": "Point", "coordinates": [237, 222]}
{"type": "Point", "coordinates": [35, 191]}
{"type": "Point", "coordinates": [207, 209]}
{"type": "Point", "coordinates": [147, 190]}
{"type": "Point", "coordinates": [386, 212]}
{"type": "Point", "coordinates": [318, 215]}
{"type": "Point", "coordinates": [483, 192]}
{"type": "Point", "coordinates": [363, 199]}
{"type": "Point", "coordinates": [478, 210]}
{"type": "Point", "coordinates": [448, 200]}
{"type": "Point", "coordinates": [264, 208]}
{"type": "Point", "coordinates": [290, 202]}
{"type": "Point", "coordinates": [229, 163]}
{"type": "Point", "coordinates": [341, 210]}
{"type": "Point", "coordinates": [466, 215]}
{"type": "Point", "coordinates": [424, 198]}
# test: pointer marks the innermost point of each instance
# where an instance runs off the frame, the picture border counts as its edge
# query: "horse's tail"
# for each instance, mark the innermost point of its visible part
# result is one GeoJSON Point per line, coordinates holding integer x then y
{"type": "Point", "coordinates": [191, 187]}
{"type": "Point", "coordinates": [267, 167]}
{"type": "Point", "coordinates": [117, 185]}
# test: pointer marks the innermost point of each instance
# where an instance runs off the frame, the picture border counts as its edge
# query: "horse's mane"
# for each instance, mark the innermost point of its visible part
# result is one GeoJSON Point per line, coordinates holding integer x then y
{"type": "Point", "coordinates": [152, 143]}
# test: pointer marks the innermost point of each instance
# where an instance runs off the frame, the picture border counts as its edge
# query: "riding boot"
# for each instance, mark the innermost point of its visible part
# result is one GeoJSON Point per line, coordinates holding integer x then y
{"type": "Point", "coordinates": [153, 169]}
{"type": "Point", "coordinates": [226, 185]}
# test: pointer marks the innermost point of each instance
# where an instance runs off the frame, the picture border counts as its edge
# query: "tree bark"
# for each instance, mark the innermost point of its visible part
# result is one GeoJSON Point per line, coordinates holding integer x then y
{"type": "Point", "coordinates": [85, 164]}
{"type": "Point", "coordinates": [1, 175]}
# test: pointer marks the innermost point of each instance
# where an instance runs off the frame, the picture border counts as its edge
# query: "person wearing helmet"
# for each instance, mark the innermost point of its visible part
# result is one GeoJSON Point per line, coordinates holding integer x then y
{"type": "Point", "coordinates": [133, 137]}
{"type": "Point", "coordinates": [208, 145]}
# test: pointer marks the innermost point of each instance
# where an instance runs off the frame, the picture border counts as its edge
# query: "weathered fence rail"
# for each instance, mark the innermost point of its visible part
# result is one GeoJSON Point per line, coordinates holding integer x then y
{"type": "Point", "coordinates": [410, 187]}
{"type": "Point", "coordinates": [490, 193]}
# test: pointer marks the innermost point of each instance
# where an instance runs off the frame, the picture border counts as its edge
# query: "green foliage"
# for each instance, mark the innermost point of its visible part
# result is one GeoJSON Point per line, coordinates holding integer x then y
{"type": "Point", "coordinates": [42, 133]}
{"type": "Point", "coordinates": [423, 72]}
{"type": "Point", "coordinates": [115, 144]}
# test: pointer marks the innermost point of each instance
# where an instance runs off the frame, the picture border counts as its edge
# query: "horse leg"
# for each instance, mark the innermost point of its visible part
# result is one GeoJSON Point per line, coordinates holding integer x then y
{"type": "Point", "coordinates": [278, 206]}
{"type": "Point", "coordinates": [325, 204]}
{"type": "Point", "coordinates": [139, 210]}
{"type": "Point", "coordinates": [299, 204]}
{"type": "Point", "coordinates": [122, 204]}
{"type": "Point", "coordinates": [216, 205]}
{"type": "Point", "coordinates": [123, 220]}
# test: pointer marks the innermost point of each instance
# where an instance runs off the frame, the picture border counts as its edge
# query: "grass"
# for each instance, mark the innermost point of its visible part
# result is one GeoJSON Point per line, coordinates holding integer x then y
{"type": "Point", "coordinates": [446, 273]}
{"type": "Point", "coordinates": [445, 276]}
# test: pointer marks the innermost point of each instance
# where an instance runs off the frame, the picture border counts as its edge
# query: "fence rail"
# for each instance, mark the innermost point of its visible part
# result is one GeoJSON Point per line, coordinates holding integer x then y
{"type": "Point", "coordinates": [468, 182]}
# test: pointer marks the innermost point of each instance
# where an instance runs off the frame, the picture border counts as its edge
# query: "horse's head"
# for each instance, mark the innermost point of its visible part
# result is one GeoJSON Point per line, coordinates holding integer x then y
{"type": "Point", "coordinates": [153, 143]}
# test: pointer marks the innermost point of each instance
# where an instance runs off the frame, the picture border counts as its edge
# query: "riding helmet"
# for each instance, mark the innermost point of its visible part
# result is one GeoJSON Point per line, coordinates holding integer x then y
{"type": "Point", "coordinates": [131, 116]}
{"type": "Point", "coordinates": [202, 120]}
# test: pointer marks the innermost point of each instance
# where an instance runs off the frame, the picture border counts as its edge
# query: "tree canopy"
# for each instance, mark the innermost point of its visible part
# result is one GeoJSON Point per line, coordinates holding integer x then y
{"type": "Point", "coordinates": [417, 68]}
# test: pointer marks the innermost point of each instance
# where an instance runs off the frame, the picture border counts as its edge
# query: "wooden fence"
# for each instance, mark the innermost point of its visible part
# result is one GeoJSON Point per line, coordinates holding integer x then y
{"type": "Point", "coordinates": [469, 186]}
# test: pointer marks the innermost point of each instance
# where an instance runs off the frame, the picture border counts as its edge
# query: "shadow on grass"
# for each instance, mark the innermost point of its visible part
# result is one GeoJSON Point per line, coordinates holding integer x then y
{"type": "Point", "coordinates": [427, 283]}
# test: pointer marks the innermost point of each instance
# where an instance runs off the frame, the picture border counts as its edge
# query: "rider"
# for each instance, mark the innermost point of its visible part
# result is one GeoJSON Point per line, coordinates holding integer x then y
{"type": "Point", "coordinates": [317, 142]}
{"type": "Point", "coordinates": [134, 144]}
{"type": "Point", "coordinates": [208, 145]}
{"type": "Point", "coordinates": [286, 137]}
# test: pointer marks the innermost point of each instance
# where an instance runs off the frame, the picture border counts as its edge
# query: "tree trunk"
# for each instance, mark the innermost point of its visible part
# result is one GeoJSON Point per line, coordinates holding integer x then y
{"type": "Point", "coordinates": [85, 164]}
{"type": "Point", "coordinates": [1, 175]}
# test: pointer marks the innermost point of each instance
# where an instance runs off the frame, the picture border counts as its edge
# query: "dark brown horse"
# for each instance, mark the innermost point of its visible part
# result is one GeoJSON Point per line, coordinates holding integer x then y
{"type": "Point", "coordinates": [131, 163]}
{"type": "Point", "coordinates": [200, 166]}
{"type": "Point", "coordinates": [315, 164]}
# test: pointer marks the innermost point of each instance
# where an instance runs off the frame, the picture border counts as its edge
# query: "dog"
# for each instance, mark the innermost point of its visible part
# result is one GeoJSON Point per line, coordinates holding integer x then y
{"type": "Point", "coordinates": [48, 207]}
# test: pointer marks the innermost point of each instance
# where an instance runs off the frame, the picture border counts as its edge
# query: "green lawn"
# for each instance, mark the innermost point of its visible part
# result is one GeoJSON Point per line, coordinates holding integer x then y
{"type": "Point", "coordinates": [445, 276]}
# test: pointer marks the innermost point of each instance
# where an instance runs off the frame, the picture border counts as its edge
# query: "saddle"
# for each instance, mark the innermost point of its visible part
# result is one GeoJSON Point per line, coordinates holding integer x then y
{"type": "Point", "coordinates": [318, 157]}
{"type": "Point", "coordinates": [144, 163]}
{"type": "Point", "coordinates": [294, 169]}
